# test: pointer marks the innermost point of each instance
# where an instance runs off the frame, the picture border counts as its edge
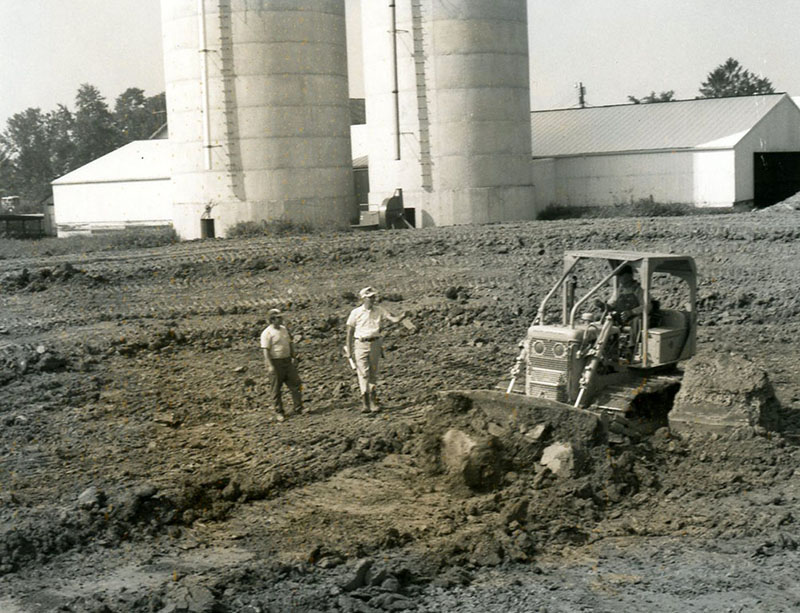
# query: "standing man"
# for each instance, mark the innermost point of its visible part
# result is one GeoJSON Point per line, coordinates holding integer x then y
{"type": "Point", "coordinates": [364, 344]}
{"type": "Point", "coordinates": [281, 362]}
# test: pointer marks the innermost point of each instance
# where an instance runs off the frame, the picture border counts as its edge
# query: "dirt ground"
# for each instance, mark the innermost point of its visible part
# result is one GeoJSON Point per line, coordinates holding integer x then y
{"type": "Point", "coordinates": [141, 468]}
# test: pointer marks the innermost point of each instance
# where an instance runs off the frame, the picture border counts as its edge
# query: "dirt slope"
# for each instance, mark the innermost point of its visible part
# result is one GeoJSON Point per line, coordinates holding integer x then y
{"type": "Point", "coordinates": [141, 470]}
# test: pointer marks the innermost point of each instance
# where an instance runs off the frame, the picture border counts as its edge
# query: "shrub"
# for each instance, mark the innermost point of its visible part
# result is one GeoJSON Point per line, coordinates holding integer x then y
{"type": "Point", "coordinates": [644, 207]}
{"type": "Point", "coordinates": [275, 227]}
{"type": "Point", "coordinates": [131, 238]}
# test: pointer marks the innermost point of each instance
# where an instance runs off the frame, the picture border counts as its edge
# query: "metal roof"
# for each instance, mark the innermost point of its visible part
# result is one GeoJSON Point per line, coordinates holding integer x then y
{"type": "Point", "coordinates": [673, 263]}
{"type": "Point", "coordinates": [140, 160]}
{"type": "Point", "coordinates": [682, 124]}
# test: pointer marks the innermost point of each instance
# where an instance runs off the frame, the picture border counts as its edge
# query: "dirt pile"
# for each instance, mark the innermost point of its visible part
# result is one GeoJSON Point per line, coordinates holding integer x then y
{"type": "Point", "coordinates": [553, 472]}
{"type": "Point", "coordinates": [723, 390]}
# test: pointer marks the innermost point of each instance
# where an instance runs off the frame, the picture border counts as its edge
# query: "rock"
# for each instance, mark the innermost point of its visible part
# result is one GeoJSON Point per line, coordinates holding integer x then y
{"type": "Point", "coordinates": [168, 419]}
{"type": "Point", "coordinates": [537, 433]}
{"type": "Point", "coordinates": [497, 429]}
{"type": "Point", "coordinates": [191, 598]}
{"type": "Point", "coordinates": [516, 512]}
{"type": "Point", "coordinates": [476, 462]}
{"type": "Point", "coordinates": [353, 605]}
{"type": "Point", "coordinates": [390, 584]}
{"type": "Point", "coordinates": [487, 553]}
{"type": "Point", "coordinates": [232, 491]}
{"type": "Point", "coordinates": [452, 576]}
{"type": "Point", "coordinates": [452, 292]}
{"type": "Point", "coordinates": [561, 459]}
{"type": "Point", "coordinates": [330, 561]}
{"type": "Point", "coordinates": [456, 446]}
{"type": "Point", "coordinates": [145, 491]}
{"type": "Point", "coordinates": [360, 576]}
{"type": "Point", "coordinates": [51, 363]}
{"type": "Point", "coordinates": [725, 391]}
{"type": "Point", "coordinates": [91, 498]}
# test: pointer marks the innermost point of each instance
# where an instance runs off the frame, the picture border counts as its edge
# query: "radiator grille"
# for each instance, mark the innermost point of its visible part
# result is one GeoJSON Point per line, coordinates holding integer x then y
{"type": "Point", "coordinates": [547, 372]}
{"type": "Point", "coordinates": [543, 383]}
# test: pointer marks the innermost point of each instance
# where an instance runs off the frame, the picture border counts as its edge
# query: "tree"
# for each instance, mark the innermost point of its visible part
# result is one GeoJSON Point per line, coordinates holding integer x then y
{"type": "Point", "coordinates": [60, 130]}
{"type": "Point", "coordinates": [137, 117]}
{"type": "Point", "coordinates": [26, 147]}
{"type": "Point", "coordinates": [731, 79]}
{"type": "Point", "coordinates": [95, 132]}
{"type": "Point", "coordinates": [37, 148]}
{"type": "Point", "coordinates": [653, 97]}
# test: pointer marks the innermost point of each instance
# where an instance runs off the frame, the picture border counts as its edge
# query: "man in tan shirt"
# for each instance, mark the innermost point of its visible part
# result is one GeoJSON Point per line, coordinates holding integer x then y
{"type": "Point", "coordinates": [281, 362]}
{"type": "Point", "coordinates": [364, 344]}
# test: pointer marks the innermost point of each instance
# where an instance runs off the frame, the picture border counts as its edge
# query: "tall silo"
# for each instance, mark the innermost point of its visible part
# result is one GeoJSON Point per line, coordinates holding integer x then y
{"type": "Point", "coordinates": [448, 108]}
{"type": "Point", "coordinates": [259, 121]}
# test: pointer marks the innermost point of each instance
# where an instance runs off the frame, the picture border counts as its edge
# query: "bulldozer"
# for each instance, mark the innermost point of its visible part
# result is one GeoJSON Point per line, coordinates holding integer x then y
{"type": "Point", "coordinates": [601, 368]}
{"type": "Point", "coordinates": [611, 357]}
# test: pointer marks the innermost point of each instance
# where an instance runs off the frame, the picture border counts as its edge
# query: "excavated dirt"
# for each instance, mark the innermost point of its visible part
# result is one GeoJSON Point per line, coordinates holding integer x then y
{"type": "Point", "coordinates": [142, 470]}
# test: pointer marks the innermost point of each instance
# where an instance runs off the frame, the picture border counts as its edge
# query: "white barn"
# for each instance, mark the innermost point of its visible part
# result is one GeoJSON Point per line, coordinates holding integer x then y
{"type": "Point", "coordinates": [129, 187]}
{"type": "Point", "coordinates": [710, 152]}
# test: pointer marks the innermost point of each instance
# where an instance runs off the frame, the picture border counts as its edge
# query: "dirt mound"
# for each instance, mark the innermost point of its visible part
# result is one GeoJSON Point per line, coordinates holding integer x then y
{"type": "Point", "coordinates": [722, 390]}
{"type": "Point", "coordinates": [555, 471]}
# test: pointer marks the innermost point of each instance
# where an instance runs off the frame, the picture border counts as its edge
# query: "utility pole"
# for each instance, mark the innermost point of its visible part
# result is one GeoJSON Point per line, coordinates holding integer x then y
{"type": "Point", "coordinates": [581, 94]}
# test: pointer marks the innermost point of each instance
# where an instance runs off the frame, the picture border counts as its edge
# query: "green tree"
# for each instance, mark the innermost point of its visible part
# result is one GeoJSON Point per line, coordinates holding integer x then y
{"type": "Point", "coordinates": [136, 116]}
{"type": "Point", "coordinates": [731, 79]}
{"type": "Point", "coordinates": [95, 131]}
{"type": "Point", "coordinates": [60, 131]}
{"type": "Point", "coordinates": [27, 151]}
{"type": "Point", "coordinates": [36, 148]}
{"type": "Point", "coordinates": [6, 172]}
{"type": "Point", "coordinates": [667, 96]}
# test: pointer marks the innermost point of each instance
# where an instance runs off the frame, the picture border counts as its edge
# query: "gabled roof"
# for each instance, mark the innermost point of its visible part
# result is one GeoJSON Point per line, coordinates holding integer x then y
{"type": "Point", "coordinates": [140, 160]}
{"type": "Point", "coordinates": [682, 124]}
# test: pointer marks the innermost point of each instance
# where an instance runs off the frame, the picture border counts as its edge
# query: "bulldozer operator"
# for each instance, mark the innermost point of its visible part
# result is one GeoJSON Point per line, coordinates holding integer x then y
{"type": "Point", "coordinates": [628, 297]}
{"type": "Point", "coordinates": [627, 305]}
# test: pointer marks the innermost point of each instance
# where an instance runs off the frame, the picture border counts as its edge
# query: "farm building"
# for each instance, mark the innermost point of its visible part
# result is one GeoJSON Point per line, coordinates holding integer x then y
{"type": "Point", "coordinates": [129, 187]}
{"type": "Point", "coordinates": [711, 152]}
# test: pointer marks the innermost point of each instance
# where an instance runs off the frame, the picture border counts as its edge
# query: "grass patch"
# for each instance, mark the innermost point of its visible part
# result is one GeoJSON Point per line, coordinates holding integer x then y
{"type": "Point", "coordinates": [131, 238]}
{"type": "Point", "coordinates": [275, 227]}
{"type": "Point", "coordinates": [646, 207]}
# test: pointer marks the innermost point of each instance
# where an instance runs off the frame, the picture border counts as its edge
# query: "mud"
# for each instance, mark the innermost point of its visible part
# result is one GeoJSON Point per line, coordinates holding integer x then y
{"type": "Point", "coordinates": [142, 470]}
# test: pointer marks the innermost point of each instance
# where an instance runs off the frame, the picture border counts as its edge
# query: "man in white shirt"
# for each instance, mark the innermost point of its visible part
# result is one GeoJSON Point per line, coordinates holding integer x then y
{"type": "Point", "coordinates": [281, 362]}
{"type": "Point", "coordinates": [364, 344]}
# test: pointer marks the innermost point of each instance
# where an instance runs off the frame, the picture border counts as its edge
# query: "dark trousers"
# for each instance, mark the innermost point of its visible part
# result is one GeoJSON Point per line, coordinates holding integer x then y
{"type": "Point", "coordinates": [285, 372]}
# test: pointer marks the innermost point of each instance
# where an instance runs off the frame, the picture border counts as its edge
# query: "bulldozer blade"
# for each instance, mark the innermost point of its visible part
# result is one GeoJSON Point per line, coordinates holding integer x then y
{"type": "Point", "coordinates": [515, 411]}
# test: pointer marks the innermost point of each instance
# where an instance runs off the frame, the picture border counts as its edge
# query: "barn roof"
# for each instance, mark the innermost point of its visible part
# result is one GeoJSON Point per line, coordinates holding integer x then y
{"type": "Point", "coordinates": [682, 124]}
{"type": "Point", "coordinates": [140, 160]}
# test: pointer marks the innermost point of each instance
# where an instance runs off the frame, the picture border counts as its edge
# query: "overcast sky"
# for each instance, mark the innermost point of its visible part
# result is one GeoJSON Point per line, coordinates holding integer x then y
{"type": "Point", "coordinates": [615, 47]}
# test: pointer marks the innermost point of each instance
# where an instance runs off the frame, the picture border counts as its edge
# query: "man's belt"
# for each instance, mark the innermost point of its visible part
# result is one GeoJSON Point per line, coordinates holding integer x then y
{"type": "Point", "coordinates": [368, 339]}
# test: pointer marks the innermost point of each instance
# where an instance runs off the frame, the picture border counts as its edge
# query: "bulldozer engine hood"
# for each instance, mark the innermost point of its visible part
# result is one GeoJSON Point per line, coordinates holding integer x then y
{"type": "Point", "coordinates": [558, 333]}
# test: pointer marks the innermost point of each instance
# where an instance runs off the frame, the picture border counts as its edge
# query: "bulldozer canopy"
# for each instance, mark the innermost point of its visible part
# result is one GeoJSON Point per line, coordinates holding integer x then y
{"type": "Point", "coordinates": [670, 263]}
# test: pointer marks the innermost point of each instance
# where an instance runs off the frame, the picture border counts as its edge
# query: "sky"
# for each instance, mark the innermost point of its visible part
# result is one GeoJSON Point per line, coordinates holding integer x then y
{"type": "Point", "coordinates": [616, 48]}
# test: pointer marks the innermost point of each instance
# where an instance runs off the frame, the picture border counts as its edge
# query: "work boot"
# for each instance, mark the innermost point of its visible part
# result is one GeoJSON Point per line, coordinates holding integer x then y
{"type": "Point", "coordinates": [373, 402]}
{"type": "Point", "coordinates": [279, 416]}
{"type": "Point", "coordinates": [365, 403]}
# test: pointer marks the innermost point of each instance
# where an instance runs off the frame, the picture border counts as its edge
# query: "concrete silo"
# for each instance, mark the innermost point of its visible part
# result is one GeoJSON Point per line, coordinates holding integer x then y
{"type": "Point", "coordinates": [259, 122]}
{"type": "Point", "coordinates": [448, 108]}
